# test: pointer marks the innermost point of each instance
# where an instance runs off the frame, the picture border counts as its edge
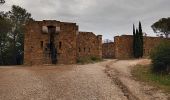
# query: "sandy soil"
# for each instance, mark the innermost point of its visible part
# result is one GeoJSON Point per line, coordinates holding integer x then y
{"type": "Point", "coordinates": [108, 80]}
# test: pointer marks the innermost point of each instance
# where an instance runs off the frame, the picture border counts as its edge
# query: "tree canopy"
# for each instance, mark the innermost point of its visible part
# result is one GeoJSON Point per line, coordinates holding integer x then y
{"type": "Point", "coordinates": [12, 34]}
{"type": "Point", "coordinates": [162, 27]}
{"type": "Point", "coordinates": [5, 28]}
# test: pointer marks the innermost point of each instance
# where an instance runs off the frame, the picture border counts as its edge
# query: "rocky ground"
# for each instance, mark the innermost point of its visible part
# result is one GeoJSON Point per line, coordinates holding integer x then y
{"type": "Point", "coordinates": [108, 80]}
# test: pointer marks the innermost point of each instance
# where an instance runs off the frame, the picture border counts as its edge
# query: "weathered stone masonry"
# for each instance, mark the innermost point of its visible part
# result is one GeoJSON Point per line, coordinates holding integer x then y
{"type": "Point", "coordinates": [123, 46]}
{"type": "Point", "coordinates": [108, 50]}
{"type": "Point", "coordinates": [88, 44]}
{"type": "Point", "coordinates": [51, 42]}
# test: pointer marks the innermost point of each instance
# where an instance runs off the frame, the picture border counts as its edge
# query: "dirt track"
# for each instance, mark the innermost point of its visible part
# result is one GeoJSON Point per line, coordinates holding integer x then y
{"type": "Point", "coordinates": [109, 80]}
{"type": "Point", "coordinates": [119, 71]}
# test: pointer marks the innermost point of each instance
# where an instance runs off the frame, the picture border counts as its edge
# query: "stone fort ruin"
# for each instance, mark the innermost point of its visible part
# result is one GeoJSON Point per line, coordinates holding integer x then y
{"type": "Point", "coordinates": [55, 42]}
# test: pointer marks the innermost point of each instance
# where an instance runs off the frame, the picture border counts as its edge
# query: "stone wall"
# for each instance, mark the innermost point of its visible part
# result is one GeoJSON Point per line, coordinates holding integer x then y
{"type": "Point", "coordinates": [108, 50]}
{"type": "Point", "coordinates": [124, 46]}
{"type": "Point", "coordinates": [36, 43]}
{"type": "Point", "coordinates": [88, 44]}
{"type": "Point", "coordinates": [150, 43]}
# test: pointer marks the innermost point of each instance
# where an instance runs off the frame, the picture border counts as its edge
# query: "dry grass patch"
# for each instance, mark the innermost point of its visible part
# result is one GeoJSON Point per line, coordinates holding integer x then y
{"type": "Point", "coordinates": [144, 73]}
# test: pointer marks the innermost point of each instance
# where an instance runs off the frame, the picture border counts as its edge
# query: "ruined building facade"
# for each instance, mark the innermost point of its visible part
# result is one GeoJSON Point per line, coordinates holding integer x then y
{"type": "Point", "coordinates": [88, 44]}
{"type": "Point", "coordinates": [123, 46]}
{"type": "Point", "coordinates": [108, 50]}
{"type": "Point", "coordinates": [55, 42]}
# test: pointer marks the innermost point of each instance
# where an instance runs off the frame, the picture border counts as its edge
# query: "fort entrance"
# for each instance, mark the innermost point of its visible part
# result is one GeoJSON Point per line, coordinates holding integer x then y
{"type": "Point", "coordinates": [51, 48]}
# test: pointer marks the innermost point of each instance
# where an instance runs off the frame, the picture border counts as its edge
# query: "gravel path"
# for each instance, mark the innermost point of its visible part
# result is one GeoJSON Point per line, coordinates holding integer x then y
{"type": "Point", "coordinates": [71, 82]}
{"type": "Point", "coordinates": [108, 80]}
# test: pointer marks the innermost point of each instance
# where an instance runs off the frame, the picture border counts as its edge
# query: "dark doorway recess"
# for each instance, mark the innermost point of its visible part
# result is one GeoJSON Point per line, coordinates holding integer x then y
{"type": "Point", "coordinates": [53, 50]}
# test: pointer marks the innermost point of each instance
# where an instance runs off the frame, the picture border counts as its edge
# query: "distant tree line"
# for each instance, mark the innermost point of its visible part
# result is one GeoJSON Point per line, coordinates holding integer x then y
{"type": "Point", "coordinates": [12, 35]}
{"type": "Point", "coordinates": [138, 41]}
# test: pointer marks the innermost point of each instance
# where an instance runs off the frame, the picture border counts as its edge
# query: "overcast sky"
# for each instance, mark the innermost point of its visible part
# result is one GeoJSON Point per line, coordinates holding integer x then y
{"type": "Point", "coordinates": [106, 17]}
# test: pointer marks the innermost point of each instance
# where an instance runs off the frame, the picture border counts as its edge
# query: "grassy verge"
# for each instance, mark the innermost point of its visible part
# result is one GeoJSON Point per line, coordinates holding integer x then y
{"type": "Point", "coordinates": [86, 60]}
{"type": "Point", "coordinates": [144, 73]}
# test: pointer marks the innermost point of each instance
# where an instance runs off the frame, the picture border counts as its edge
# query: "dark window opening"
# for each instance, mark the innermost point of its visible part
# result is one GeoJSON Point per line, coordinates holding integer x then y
{"type": "Point", "coordinates": [42, 44]}
{"type": "Point", "coordinates": [89, 49]}
{"type": "Point", "coordinates": [79, 49]}
{"type": "Point", "coordinates": [51, 29]}
{"type": "Point", "coordinates": [60, 44]}
{"type": "Point", "coordinates": [84, 49]}
{"type": "Point", "coordinates": [46, 49]}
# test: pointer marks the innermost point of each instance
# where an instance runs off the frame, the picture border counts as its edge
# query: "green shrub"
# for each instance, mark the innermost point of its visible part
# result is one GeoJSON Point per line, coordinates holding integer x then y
{"type": "Point", "coordinates": [93, 58]}
{"type": "Point", "coordinates": [83, 60]}
{"type": "Point", "coordinates": [88, 59]}
{"type": "Point", "coordinates": [161, 57]}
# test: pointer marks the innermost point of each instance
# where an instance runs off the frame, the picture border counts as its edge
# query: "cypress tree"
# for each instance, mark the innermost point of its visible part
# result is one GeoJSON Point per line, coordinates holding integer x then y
{"type": "Point", "coordinates": [137, 44]}
{"type": "Point", "coordinates": [134, 41]}
{"type": "Point", "coordinates": [141, 39]}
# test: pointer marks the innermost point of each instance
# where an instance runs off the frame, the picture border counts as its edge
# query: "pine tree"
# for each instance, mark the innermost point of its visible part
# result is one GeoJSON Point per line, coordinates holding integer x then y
{"type": "Point", "coordinates": [141, 39]}
{"type": "Point", "coordinates": [18, 16]}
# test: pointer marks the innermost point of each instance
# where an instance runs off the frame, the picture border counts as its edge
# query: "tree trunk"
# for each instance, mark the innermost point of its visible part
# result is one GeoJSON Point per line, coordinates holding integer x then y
{"type": "Point", "coordinates": [2, 61]}
{"type": "Point", "coordinates": [14, 49]}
